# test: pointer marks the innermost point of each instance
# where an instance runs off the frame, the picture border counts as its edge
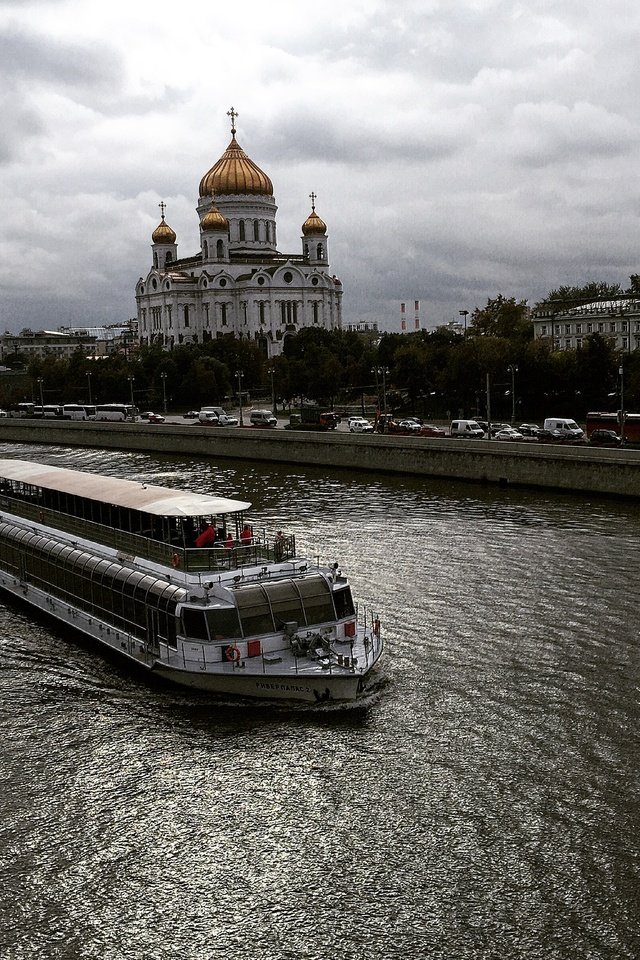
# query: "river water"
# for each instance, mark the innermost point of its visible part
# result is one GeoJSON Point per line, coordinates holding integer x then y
{"type": "Point", "coordinates": [484, 804]}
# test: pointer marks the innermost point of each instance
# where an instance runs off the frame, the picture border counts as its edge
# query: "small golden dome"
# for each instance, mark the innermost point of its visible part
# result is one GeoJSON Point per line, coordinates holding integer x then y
{"type": "Point", "coordinates": [235, 172]}
{"type": "Point", "coordinates": [163, 233]}
{"type": "Point", "coordinates": [214, 220]}
{"type": "Point", "coordinates": [314, 225]}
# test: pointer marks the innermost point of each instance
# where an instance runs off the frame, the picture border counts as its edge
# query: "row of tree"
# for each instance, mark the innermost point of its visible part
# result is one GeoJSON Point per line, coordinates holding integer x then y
{"type": "Point", "coordinates": [433, 374]}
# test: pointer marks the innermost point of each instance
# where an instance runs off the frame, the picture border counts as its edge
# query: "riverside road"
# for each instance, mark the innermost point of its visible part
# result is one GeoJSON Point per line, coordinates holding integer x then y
{"type": "Point", "coordinates": [578, 469]}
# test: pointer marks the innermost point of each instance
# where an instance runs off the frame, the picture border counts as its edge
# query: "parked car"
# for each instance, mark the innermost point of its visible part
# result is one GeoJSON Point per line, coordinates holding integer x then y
{"type": "Point", "coordinates": [145, 414]}
{"type": "Point", "coordinates": [507, 433]}
{"type": "Point", "coordinates": [605, 438]}
{"type": "Point", "coordinates": [225, 420]}
{"type": "Point", "coordinates": [359, 425]}
{"type": "Point", "coordinates": [497, 427]}
{"type": "Point", "coordinates": [529, 429]}
{"type": "Point", "coordinates": [408, 426]}
{"type": "Point", "coordinates": [190, 415]}
{"type": "Point", "coordinates": [153, 417]}
{"type": "Point", "coordinates": [429, 430]}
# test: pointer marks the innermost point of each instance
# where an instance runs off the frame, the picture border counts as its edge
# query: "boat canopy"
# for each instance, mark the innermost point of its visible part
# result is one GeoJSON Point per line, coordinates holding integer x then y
{"type": "Point", "coordinates": [145, 497]}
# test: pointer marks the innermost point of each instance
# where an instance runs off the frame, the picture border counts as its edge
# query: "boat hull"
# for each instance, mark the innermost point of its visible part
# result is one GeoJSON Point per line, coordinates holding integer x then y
{"type": "Point", "coordinates": [316, 689]}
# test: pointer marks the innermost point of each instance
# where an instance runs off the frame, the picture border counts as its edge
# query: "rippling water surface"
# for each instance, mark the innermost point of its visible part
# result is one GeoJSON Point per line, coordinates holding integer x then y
{"type": "Point", "coordinates": [483, 805]}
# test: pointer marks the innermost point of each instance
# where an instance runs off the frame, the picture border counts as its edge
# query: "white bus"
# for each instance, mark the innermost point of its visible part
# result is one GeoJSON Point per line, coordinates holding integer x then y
{"type": "Point", "coordinates": [50, 411]}
{"type": "Point", "coordinates": [116, 411]}
{"type": "Point", "coordinates": [73, 411]}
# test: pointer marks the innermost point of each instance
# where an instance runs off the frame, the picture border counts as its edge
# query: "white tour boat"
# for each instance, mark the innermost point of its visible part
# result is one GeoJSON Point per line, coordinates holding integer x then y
{"type": "Point", "coordinates": [241, 615]}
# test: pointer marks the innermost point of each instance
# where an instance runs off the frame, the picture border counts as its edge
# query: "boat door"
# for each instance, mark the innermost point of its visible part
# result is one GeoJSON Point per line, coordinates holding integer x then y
{"type": "Point", "coordinates": [153, 627]}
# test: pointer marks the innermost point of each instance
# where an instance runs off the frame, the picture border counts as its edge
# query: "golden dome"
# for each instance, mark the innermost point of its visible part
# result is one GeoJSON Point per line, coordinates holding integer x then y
{"type": "Point", "coordinates": [214, 220]}
{"type": "Point", "coordinates": [314, 225]}
{"type": "Point", "coordinates": [235, 172]}
{"type": "Point", "coordinates": [163, 233]}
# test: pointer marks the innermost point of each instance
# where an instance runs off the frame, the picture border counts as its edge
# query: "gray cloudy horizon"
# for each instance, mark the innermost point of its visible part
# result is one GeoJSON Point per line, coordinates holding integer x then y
{"type": "Point", "coordinates": [456, 153]}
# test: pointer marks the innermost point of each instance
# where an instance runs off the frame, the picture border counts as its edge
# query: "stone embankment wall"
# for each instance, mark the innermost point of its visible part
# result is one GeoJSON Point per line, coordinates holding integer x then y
{"type": "Point", "coordinates": [580, 468]}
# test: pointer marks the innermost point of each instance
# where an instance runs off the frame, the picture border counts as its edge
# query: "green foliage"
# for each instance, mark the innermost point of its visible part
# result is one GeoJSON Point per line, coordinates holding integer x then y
{"type": "Point", "coordinates": [430, 373]}
{"type": "Point", "coordinates": [565, 297]}
{"type": "Point", "coordinates": [502, 317]}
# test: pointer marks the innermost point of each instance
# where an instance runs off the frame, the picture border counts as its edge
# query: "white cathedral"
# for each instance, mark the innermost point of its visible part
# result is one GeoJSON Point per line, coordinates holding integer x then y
{"type": "Point", "coordinates": [238, 284]}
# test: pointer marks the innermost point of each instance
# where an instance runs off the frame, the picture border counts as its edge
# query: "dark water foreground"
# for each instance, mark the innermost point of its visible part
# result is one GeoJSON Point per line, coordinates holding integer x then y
{"type": "Point", "coordinates": [483, 805]}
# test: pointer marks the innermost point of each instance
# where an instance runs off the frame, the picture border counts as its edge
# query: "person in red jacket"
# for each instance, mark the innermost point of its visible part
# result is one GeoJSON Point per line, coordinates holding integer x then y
{"type": "Point", "coordinates": [229, 541]}
{"type": "Point", "coordinates": [246, 536]}
{"type": "Point", "coordinates": [207, 537]}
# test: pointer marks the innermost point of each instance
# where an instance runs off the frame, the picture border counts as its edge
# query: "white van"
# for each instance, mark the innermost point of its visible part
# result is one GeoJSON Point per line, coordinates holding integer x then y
{"type": "Point", "coordinates": [211, 414]}
{"type": "Point", "coordinates": [263, 418]}
{"type": "Point", "coordinates": [470, 429]}
{"type": "Point", "coordinates": [563, 429]}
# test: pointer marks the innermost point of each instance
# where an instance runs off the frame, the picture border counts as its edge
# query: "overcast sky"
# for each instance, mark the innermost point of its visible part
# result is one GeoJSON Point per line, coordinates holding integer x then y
{"type": "Point", "coordinates": [457, 150]}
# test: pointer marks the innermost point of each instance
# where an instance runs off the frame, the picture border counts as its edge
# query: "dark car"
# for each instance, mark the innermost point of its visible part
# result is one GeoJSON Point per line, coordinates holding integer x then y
{"type": "Point", "coordinates": [429, 430]}
{"type": "Point", "coordinates": [605, 438]}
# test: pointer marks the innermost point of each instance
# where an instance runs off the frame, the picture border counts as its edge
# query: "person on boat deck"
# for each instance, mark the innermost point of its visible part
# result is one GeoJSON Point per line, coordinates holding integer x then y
{"type": "Point", "coordinates": [246, 536]}
{"type": "Point", "coordinates": [188, 532]}
{"type": "Point", "coordinates": [278, 546]}
{"type": "Point", "coordinates": [229, 543]}
{"type": "Point", "coordinates": [207, 537]}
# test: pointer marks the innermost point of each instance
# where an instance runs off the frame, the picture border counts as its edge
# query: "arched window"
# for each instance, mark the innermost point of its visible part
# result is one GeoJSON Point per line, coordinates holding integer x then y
{"type": "Point", "coordinates": [168, 257]}
{"type": "Point", "coordinates": [241, 229]}
{"type": "Point", "coordinates": [306, 249]}
{"type": "Point", "coordinates": [223, 314]}
{"type": "Point", "coordinates": [256, 230]}
{"type": "Point", "coordinates": [186, 316]}
{"type": "Point", "coordinates": [205, 249]}
{"type": "Point", "coordinates": [219, 249]}
{"type": "Point", "coordinates": [155, 259]}
{"type": "Point", "coordinates": [315, 311]}
{"type": "Point", "coordinates": [320, 253]}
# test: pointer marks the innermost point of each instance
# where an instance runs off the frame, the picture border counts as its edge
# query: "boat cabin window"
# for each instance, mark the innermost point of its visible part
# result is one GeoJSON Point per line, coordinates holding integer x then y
{"type": "Point", "coordinates": [211, 625]}
{"type": "Point", "coordinates": [343, 602]}
{"type": "Point", "coordinates": [286, 603]}
{"type": "Point", "coordinates": [316, 598]}
{"type": "Point", "coordinates": [254, 610]}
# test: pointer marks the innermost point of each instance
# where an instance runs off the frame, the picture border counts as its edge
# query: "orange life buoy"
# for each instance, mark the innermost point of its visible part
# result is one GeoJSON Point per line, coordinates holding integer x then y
{"type": "Point", "coordinates": [175, 561]}
{"type": "Point", "coordinates": [232, 653]}
{"type": "Point", "coordinates": [376, 627]}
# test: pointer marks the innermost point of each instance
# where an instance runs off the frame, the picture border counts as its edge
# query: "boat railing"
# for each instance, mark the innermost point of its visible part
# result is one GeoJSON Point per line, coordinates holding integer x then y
{"type": "Point", "coordinates": [261, 550]}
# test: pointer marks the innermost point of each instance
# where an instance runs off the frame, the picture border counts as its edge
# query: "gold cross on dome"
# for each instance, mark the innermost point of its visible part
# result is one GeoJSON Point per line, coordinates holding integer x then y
{"type": "Point", "coordinates": [162, 206]}
{"type": "Point", "coordinates": [232, 113]}
{"type": "Point", "coordinates": [312, 197]}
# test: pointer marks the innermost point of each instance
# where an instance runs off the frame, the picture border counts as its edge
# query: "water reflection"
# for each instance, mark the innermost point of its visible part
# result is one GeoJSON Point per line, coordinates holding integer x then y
{"type": "Point", "coordinates": [483, 806]}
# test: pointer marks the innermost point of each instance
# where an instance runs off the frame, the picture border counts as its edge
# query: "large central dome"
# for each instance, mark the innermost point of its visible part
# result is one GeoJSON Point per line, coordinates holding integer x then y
{"type": "Point", "coordinates": [235, 173]}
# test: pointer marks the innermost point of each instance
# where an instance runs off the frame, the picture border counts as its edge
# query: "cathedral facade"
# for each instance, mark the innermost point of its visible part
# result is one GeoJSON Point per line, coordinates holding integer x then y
{"type": "Point", "coordinates": [238, 284]}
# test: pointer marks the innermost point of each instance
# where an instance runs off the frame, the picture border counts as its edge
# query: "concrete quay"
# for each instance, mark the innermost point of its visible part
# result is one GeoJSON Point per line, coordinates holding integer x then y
{"type": "Point", "coordinates": [579, 469]}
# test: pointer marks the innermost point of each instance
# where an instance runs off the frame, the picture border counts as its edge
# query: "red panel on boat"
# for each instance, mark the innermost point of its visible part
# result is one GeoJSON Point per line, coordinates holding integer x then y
{"type": "Point", "coordinates": [253, 648]}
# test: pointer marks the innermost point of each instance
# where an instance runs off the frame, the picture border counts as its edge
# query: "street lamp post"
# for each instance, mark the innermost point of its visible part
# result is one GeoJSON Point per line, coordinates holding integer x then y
{"type": "Point", "coordinates": [163, 377]}
{"type": "Point", "coordinates": [513, 369]}
{"type": "Point", "coordinates": [89, 386]}
{"type": "Point", "coordinates": [133, 406]}
{"type": "Point", "coordinates": [240, 375]}
{"type": "Point", "coordinates": [621, 372]}
{"type": "Point", "coordinates": [465, 314]}
{"type": "Point", "coordinates": [382, 372]}
{"type": "Point", "coordinates": [272, 372]}
{"type": "Point", "coordinates": [40, 381]}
